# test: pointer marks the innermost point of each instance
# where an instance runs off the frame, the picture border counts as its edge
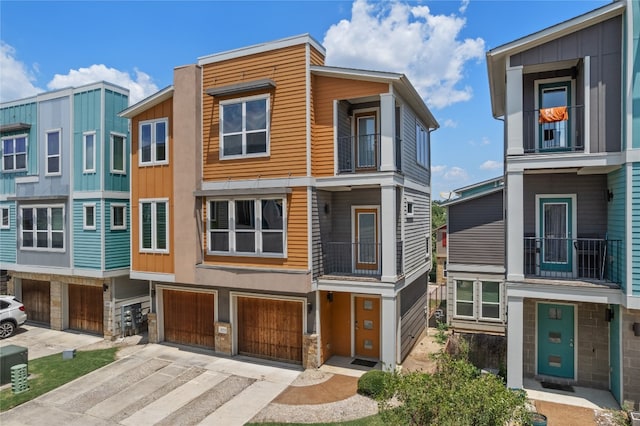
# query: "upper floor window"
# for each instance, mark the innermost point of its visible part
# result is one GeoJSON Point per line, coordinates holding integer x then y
{"type": "Point", "coordinates": [53, 152]}
{"type": "Point", "coordinates": [4, 218]}
{"type": "Point", "coordinates": [255, 227]}
{"type": "Point", "coordinates": [118, 216]}
{"type": "Point", "coordinates": [154, 226]}
{"type": "Point", "coordinates": [478, 299]}
{"type": "Point", "coordinates": [422, 146]}
{"type": "Point", "coordinates": [118, 153]}
{"type": "Point", "coordinates": [89, 220]}
{"type": "Point", "coordinates": [14, 153]}
{"type": "Point", "coordinates": [89, 152]}
{"type": "Point", "coordinates": [464, 299]}
{"type": "Point", "coordinates": [42, 228]}
{"type": "Point", "coordinates": [555, 116]}
{"type": "Point", "coordinates": [153, 142]}
{"type": "Point", "coordinates": [244, 127]}
{"type": "Point", "coordinates": [490, 307]}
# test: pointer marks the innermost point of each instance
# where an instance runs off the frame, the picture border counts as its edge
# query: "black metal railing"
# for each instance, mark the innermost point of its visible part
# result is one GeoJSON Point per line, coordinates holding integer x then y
{"type": "Point", "coordinates": [398, 154]}
{"type": "Point", "coordinates": [399, 258]}
{"type": "Point", "coordinates": [356, 259]}
{"type": "Point", "coordinates": [573, 258]}
{"type": "Point", "coordinates": [566, 133]}
{"type": "Point", "coordinates": [358, 153]}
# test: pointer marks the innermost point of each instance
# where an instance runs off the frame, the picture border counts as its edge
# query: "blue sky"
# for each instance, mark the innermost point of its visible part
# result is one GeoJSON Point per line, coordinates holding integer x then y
{"type": "Point", "coordinates": [440, 45]}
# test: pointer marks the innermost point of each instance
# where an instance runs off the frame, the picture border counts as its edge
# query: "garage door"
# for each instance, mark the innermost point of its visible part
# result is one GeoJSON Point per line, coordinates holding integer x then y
{"type": "Point", "coordinates": [189, 318]}
{"type": "Point", "coordinates": [36, 297]}
{"type": "Point", "coordinates": [270, 329]}
{"type": "Point", "coordinates": [85, 308]}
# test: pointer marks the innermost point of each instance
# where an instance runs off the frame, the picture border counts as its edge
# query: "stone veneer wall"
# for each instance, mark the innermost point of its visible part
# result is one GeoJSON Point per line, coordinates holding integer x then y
{"type": "Point", "coordinates": [630, 357]}
{"type": "Point", "coordinates": [223, 334]}
{"type": "Point", "coordinates": [152, 324]}
{"type": "Point", "coordinates": [310, 351]}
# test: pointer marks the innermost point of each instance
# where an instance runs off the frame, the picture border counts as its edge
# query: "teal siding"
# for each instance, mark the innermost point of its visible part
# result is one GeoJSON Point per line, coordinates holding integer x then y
{"type": "Point", "coordinates": [117, 247]}
{"type": "Point", "coordinates": [24, 113]}
{"type": "Point", "coordinates": [87, 244]}
{"type": "Point", "coordinates": [8, 237]}
{"type": "Point", "coordinates": [86, 108]}
{"type": "Point", "coordinates": [616, 225]}
{"type": "Point", "coordinates": [635, 229]}
{"type": "Point", "coordinates": [114, 103]}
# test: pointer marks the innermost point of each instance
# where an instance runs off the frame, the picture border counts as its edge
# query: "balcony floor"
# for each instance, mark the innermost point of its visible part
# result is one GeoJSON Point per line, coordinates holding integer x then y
{"type": "Point", "coordinates": [343, 276]}
{"type": "Point", "coordinates": [571, 282]}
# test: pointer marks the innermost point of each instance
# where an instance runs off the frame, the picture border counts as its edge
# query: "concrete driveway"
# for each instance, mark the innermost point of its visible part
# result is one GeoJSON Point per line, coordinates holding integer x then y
{"type": "Point", "coordinates": [151, 384]}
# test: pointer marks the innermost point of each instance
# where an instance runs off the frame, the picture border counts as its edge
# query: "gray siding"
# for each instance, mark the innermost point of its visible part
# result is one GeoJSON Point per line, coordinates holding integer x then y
{"type": "Point", "coordinates": [416, 230]}
{"type": "Point", "coordinates": [410, 166]}
{"type": "Point", "coordinates": [476, 231]}
{"type": "Point", "coordinates": [413, 302]}
{"type": "Point", "coordinates": [340, 211]}
{"type": "Point", "coordinates": [45, 258]}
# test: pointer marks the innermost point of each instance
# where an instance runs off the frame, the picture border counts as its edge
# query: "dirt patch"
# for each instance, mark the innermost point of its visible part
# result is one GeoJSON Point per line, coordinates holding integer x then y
{"type": "Point", "coordinates": [565, 415]}
{"type": "Point", "coordinates": [336, 388]}
{"type": "Point", "coordinates": [421, 356]}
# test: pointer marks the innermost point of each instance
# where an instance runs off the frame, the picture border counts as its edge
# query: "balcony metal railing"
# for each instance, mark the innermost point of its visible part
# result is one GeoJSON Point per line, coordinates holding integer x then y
{"type": "Point", "coordinates": [555, 136]}
{"type": "Point", "coordinates": [358, 153]}
{"type": "Point", "coordinates": [350, 259]}
{"type": "Point", "coordinates": [573, 258]}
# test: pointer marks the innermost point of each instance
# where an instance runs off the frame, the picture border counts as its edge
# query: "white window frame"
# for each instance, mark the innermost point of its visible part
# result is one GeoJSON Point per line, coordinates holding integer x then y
{"type": "Point", "coordinates": [47, 155]}
{"type": "Point", "coordinates": [154, 238]}
{"type": "Point", "coordinates": [85, 208]}
{"type": "Point", "coordinates": [50, 231]}
{"type": "Point", "coordinates": [258, 231]}
{"type": "Point", "coordinates": [410, 207]}
{"type": "Point", "coordinates": [122, 227]}
{"type": "Point", "coordinates": [2, 216]}
{"type": "Point", "coordinates": [243, 101]}
{"type": "Point", "coordinates": [113, 137]}
{"type": "Point", "coordinates": [153, 161]}
{"type": "Point", "coordinates": [26, 153]}
{"type": "Point", "coordinates": [85, 169]}
{"type": "Point", "coordinates": [455, 298]}
{"type": "Point", "coordinates": [422, 152]}
{"type": "Point", "coordinates": [481, 302]}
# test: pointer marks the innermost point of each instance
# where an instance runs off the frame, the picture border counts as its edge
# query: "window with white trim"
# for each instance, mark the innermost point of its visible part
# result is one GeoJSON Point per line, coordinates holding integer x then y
{"type": "Point", "coordinates": [244, 127]}
{"type": "Point", "coordinates": [118, 217]}
{"type": "Point", "coordinates": [422, 146]}
{"type": "Point", "coordinates": [246, 226]}
{"type": "Point", "coordinates": [153, 142]}
{"type": "Point", "coordinates": [478, 299]}
{"type": "Point", "coordinates": [14, 153]}
{"type": "Point", "coordinates": [42, 228]}
{"type": "Point", "coordinates": [154, 226]}
{"type": "Point", "coordinates": [89, 216]}
{"type": "Point", "coordinates": [4, 218]}
{"type": "Point", "coordinates": [53, 152]}
{"type": "Point", "coordinates": [410, 206]}
{"type": "Point", "coordinates": [490, 296]}
{"type": "Point", "coordinates": [89, 152]}
{"type": "Point", "coordinates": [118, 153]}
{"type": "Point", "coordinates": [464, 299]}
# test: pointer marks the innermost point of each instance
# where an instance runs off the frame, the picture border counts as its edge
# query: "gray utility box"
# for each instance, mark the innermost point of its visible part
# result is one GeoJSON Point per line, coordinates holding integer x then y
{"type": "Point", "coordinates": [9, 356]}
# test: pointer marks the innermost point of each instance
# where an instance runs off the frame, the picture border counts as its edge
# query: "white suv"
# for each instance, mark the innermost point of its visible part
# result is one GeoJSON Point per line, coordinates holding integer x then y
{"type": "Point", "coordinates": [12, 315]}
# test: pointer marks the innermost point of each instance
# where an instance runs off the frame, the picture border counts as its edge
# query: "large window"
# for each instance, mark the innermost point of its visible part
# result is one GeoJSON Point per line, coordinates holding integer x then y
{"type": "Point", "coordinates": [478, 299]}
{"type": "Point", "coordinates": [154, 226]}
{"type": "Point", "coordinates": [118, 154]}
{"type": "Point", "coordinates": [14, 153]}
{"type": "Point", "coordinates": [248, 226]}
{"type": "Point", "coordinates": [42, 228]}
{"type": "Point", "coordinates": [89, 152]}
{"type": "Point", "coordinates": [422, 145]}
{"type": "Point", "coordinates": [490, 299]}
{"type": "Point", "coordinates": [53, 152]}
{"type": "Point", "coordinates": [153, 142]}
{"type": "Point", "coordinates": [464, 298]}
{"type": "Point", "coordinates": [244, 127]}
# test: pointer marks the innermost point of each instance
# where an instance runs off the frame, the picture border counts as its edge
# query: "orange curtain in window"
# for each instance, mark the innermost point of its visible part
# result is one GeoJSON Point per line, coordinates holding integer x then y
{"type": "Point", "coordinates": [551, 115]}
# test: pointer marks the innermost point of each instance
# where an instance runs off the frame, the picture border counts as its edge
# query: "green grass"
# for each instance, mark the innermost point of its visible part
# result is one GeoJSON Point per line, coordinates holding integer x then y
{"type": "Point", "coordinates": [52, 371]}
{"type": "Point", "coordinates": [374, 420]}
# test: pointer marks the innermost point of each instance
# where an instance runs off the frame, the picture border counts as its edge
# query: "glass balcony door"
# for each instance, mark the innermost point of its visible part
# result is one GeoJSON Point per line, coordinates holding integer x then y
{"type": "Point", "coordinates": [366, 141]}
{"type": "Point", "coordinates": [554, 121]}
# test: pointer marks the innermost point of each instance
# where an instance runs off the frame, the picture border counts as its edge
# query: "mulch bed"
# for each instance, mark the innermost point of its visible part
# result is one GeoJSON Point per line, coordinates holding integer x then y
{"type": "Point", "coordinates": [336, 388]}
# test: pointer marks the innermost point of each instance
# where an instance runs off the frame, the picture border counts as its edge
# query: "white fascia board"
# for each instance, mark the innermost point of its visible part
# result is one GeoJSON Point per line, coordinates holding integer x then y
{"type": "Point", "coordinates": [248, 184]}
{"type": "Point", "coordinates": [359, 180]}
{"type": "Point", "coordinates": [355, 74]}
{"type": "Point", "coordinates": [152, 276]}
{"type": "Point", "coordinates": [565, 293]}
{"type": "Point", "coordinates": [471, 268]}
{"type": "Point", "coordinates": [361, 287]}
{"type": "Point", "coordinates": [471, 197]}
{"type": "Point", "coordinates": [563, 161]}
{"type": "Point", "coordinates": [79, 195]}
{"type": "Point", "coordinates": [147, 103]}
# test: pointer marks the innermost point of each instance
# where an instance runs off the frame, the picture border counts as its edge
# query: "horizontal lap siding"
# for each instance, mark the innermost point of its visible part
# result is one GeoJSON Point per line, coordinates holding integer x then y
{"type": "Point", "coordinates": [315, 57]}
{"type": "Point", "coordinates": [412, 324]}
{"type": "Point", "coordinates": [117, 248]}
{"type": "Point", "coordinates": [616, 218]}
{"type": "Point", "coordinates": [325, 91]}
{"type": "Point", "coordinates": [87, 253]}
{"type": "Point", "coordinates": [151, 182]}
{"type": "Point", "coordinates": [416, 231]}
{"type": "Point", "coordinates": [288, 129]}
{"type": "Point", "coordinates": [25, 113]}
{"type": "Point", "coordinates": [8, 237]}
{"type": "Point", "coordinates": [635, 228]}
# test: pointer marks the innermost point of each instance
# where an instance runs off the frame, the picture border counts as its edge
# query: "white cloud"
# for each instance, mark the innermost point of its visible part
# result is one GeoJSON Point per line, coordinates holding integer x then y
{"type": "Point", "coordinates": [393, 36]}
{"type": "Point", "coordinates": [450, 123]}
{"type": "Point", "coordinates": [483, 142]}
{"type": "Point", "coordinates": [16, 79]}
{"type": "Point", "coordinates": [438, 170]}
{"type": "Point", "coordinates": [140, 86]}
{"type": "Point", "coordinates": [463, 6]}
{"type": "Point", "coordinates": [456, 173]}
{"type": "Point", "coordinates": [490, 165]}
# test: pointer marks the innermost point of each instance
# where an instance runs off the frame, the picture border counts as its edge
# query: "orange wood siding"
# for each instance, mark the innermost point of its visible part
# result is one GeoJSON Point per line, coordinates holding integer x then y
{"type": "Point", "coordinates": [287, 67]}
{"type": "Point", "coordinates": [151, 182]}
{"type": "Point", "coordinates": [296, 239]}
{"type": "Point", "coordinates": [316, 58]}
{"type": "Point", "coordinates": [325, 90]}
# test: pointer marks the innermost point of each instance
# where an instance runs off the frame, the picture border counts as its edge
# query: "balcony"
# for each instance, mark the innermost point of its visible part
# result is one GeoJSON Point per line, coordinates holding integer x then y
{"type": "Point", "coordinates": [362, 153]}
{"type": "Point", "coordinates": [552, 134]}
{"type": "Point", "coordinates": [586, 259]}
{"type": "Point", "coordinates": [345, 260]}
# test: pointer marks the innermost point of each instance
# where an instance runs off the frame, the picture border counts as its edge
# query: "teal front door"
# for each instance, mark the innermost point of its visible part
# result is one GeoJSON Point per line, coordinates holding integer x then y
{"type": "Point", "coordinates": [556, 224]}
{"type": "Point", "coordinates": [556, 355]}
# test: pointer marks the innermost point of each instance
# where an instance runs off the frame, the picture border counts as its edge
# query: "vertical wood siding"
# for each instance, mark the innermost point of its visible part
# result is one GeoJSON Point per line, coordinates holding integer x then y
{"type": "Point", "coordinates": [189, 318]}
{"type": "Point", "coordinates": [87, 253]}
{"type": "Point", "coordinates": [85, 308]}
{"type": "Point", "coordinates": [151, 182]}
{"type": "Point", "coordinates": [86, 113]}
{"type": "Point", "coordinates": [288, 130]}
{"type": "Point", "coordinates": [36, 296]}
{"type": "Point", "coordinates": [117, 249]}
{"type": "Point", "coordinates": [9, 237]}
{"type": "Point", "coordinates": [325, 91]}
{"type": "Point", "coordinates": [25, 113]}
{"type": "Point", "coordinates": [113, 104]}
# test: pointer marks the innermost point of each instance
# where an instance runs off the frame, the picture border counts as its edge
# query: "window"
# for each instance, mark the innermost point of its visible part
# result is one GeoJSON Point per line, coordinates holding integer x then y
{"type": "Point", "coordinates": [153, 141]}
{"type": "Point", "coordinates": [154, 226]}
{"type": "Point", "coordinates": [89, 221]}
{"type": "Point", "coordinates": [118, 153]}
{"type": "Point", "coordinates": [246, 226]}
{"type": "Point", "coordinates": [244, 127]}
{"type": "Point", "coordinates": [464, 299]}
{"type": "Point", "coordinates": [4, 218]}
{"type": "Point", "coordinates": [490, 299]}
{"type": "Point", "coordinates": [422, 146]}
{"type": "Point", "coordinates": [444, 269]}
{"type": "Point", "coordinates": [42, 228]}
{"type": "Point", "coordinates": [14, 153]}
{"type": "Point", "coordinates": [409, 207]}
{"type": "Point", "coordinates": [53, 152]}
{"type": "Point", "coordinates": [89, 152]}
{"type": "Point", "coordinates": [118, 217]}
{"type": "Point", "coordinates": [444, 239]}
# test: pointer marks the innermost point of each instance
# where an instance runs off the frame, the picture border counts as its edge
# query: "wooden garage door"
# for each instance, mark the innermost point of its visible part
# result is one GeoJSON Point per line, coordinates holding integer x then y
{"type": "Point", "coordinates": [189, 318]}
{"type": "Point", "coordinates": [270, 329]}
{"type": "Point", "coordinates": [85, 308]}
{"type": "Point", "coordinates": [36, 297]}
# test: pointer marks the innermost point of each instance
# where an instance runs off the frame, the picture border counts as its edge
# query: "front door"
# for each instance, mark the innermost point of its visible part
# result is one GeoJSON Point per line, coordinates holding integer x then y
{"type": "Point", "coordinates": [366, 138]}
{"type": "Point", "coordinates": [366, 238]}
{"type": "Point", "coordinates": [367, 327]}
{"type": "Point", "coordinates": [556, 340]}
{"type": "Point", "coordinates": [555, 231]}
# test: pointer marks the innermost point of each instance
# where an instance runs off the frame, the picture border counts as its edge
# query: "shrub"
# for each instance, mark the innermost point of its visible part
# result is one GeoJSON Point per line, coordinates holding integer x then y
{"type": "Point", "coordinates": [441, 335]}
{"type": "Point", "coordinates": [373, 383]}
